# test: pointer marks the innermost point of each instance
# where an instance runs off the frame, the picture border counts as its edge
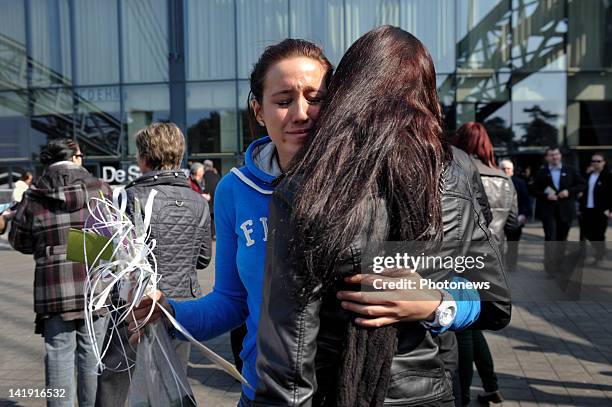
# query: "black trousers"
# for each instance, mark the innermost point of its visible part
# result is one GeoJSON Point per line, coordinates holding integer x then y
{"type": "Point", "coordinates": [594, 224]}
{"type": "Point", "coordinates": [556, 229]}
{"type": "Point", "coordinates": [512, 238]}
{"type": "Point", "coordinates": [473, 349]}
{"type": "Point", "coordinates": [213, 231]}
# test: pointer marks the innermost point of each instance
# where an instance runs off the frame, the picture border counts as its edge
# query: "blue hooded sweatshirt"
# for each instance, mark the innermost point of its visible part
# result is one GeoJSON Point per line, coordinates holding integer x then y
{"type": "Point", "coordinates": [242, 199]}
{"type": "Point", "coordinates": [241, 219]}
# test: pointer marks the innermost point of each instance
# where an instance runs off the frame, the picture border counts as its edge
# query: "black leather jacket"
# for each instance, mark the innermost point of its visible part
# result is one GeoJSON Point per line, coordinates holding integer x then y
{"type": "Point", "coordinates": [299, 347]}
{"type": "Point", "coordinates": [180, 223]}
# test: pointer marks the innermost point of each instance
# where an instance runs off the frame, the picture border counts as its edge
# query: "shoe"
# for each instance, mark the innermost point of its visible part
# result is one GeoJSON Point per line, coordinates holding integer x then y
{"type": "Point", "coordinates": [492, 397]}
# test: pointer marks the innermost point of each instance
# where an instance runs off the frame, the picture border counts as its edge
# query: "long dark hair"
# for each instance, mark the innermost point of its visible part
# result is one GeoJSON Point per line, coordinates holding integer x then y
{"type": "Point", "coordinates": [61, 149]}
{"type": "Point", "coordinates": [380, 134]}
{"type": "Point", "coordinates": [472, 137]}
{"type": "Point", "coordinates": [287, 48]}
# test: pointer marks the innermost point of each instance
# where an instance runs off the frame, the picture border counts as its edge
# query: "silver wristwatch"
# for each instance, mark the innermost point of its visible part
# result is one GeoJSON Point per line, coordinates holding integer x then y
{"type": "Point", "coordinates": [445, 314]}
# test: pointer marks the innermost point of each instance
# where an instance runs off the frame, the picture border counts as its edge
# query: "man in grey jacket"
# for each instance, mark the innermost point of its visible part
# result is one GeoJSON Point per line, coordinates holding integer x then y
{"type": "Point", "coordinates": [180, 224]}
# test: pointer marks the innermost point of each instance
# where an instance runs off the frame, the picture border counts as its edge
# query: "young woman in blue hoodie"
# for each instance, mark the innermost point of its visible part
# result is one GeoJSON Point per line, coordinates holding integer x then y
{"type": "Point", "coordinates": [288, 84]}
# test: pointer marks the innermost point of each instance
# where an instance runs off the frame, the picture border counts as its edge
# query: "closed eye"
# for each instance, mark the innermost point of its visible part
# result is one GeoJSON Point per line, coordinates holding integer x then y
{"type": "Point", "coordinates": [284, 103]}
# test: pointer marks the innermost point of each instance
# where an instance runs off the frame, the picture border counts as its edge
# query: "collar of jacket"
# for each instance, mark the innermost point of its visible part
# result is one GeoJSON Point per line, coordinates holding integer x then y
{"type": "Point", "coordinates": [487, 171]}
{"type": "Point", "coordinates": [162, 177]}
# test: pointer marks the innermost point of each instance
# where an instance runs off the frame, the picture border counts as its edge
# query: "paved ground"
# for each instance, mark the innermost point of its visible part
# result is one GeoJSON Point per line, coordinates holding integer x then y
{"type": "Point", "coordinates": [556, 351]}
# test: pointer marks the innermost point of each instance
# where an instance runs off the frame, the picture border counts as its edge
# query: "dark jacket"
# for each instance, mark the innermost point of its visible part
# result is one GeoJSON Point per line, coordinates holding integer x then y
{"type": "Point", "coordinates": [522, 194]}
{"type": "Point", "coordinates": [180, 224]}
{"type": "Point", "coordinates": [211, 179]}
{"type": "Point", "coordinates": [299, 347]}
{"type": "Point", "coordinates": [56, 203]}
{"type": "Point", "coordinates": [570, 180]}
{"type": "Point", "coordinates": [602, 194]}
{"type": "Point", "coordinates": [502, 199]}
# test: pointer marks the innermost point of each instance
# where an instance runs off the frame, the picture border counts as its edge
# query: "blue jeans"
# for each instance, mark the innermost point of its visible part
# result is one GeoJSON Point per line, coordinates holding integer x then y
{"type": "Point", "coordinates": [67, 344]}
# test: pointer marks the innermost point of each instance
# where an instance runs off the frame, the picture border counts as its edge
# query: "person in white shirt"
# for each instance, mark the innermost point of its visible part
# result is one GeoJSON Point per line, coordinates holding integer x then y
{"type": "Point", "coordinates": [21, 186]}
{"type": "Point", "coordinates": [596, 205]}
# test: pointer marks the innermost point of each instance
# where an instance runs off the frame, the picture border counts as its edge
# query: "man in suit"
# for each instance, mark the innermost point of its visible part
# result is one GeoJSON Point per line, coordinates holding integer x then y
{"type": "Point", "coordinates": [596, 205]}
{"type": "Point", "coordinates": [556, 187]}
{"type": "Point", "coordinates": [524, 212]}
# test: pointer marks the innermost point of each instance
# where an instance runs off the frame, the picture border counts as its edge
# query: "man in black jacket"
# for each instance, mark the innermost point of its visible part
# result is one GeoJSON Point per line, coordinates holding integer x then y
{"type": "Point", "coordinates": [180, 224]}
{"type": "Point", "coordinates": [596, 205]}
{"type": "Point", "coordinates": [211, 179]}
{"type": "Point", "coordinates": [524, 212]}
{"type": "Point", "coordinates": [556, 187]}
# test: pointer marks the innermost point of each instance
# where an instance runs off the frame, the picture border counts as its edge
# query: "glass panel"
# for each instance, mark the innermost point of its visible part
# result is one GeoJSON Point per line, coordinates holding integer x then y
{"type": "Point", "coordinates": [483, 34]}
{"type": "Point", "coordinates": [50, 39]}
{"type": "Point", "coordinates": [320, 22]}
{"type": "Point", "coordinates": [14, 142]}
{"type": "Point", "coordinates": [483, 88]}
{"type": "Point", "coordinates": [13, 61]}
{"type": "Point", "coordinates": [433, 22]}
{"type": "Point", "coordinates": [96, 39]}
{"type": "Point", "coordinates": [446, 95]}
{"type": "Point", "coordinates": [260, 23]}
{"type": "Point", "coordinates": [143, 106]}
{"type": "Point", "coordinates": [589, 103]}
{"type": "Point", "coordinates": [363, 15]}
{"type": "Point", "coordinates": [211, 118]}
{"type": "Point", "coordinates": [223, 164]}
{"type": "Point", "coordinates": [538, 109]}
{"type": "Point", "coordinates": [98, 126]}
{"type": "Point", "coordinates": [485, 99]}
{"type": "Point", "coordinates": [9, 175]}
{"type": "Point", "coordinates": [210, 39]}
{"type": "Point", "coordinates": [539, 29]}
{"type": "Point", "coordinates": [52, 116]}
{"type": "Point", "coordinates": [228, 163]}
{"type": "Point", "coordinates": [145, 40]}
{"type": "Point", "coordinates": [496, 119]}
{"type": "Point", "coordinates": [589, 40]}
{"type": "Point", "coordinates": [250, 131]}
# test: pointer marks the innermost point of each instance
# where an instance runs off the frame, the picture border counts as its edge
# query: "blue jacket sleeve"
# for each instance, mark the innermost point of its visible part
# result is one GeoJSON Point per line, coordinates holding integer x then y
{"type": "Point", "coordinates": [226, 306]}
{"type": "Point", "coordinates": [468, 307]}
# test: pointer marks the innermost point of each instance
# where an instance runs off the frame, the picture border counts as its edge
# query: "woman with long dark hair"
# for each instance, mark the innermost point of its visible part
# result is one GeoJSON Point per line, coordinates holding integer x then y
{"type": "Point", "coordinates": [375, 168]}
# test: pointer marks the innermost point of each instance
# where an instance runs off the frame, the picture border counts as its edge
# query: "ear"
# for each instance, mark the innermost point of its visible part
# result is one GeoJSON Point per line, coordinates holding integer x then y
{"type": "Point", "coordinates": [258, 111]}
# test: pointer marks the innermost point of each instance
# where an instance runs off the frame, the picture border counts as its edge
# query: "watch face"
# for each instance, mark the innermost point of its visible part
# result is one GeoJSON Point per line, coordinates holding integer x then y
{"type": "Point", "coordinates": [446, 316]}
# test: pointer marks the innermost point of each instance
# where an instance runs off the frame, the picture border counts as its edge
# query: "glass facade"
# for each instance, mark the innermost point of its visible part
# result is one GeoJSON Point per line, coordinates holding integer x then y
{"type": "Point", "coordinates": [535, 72]}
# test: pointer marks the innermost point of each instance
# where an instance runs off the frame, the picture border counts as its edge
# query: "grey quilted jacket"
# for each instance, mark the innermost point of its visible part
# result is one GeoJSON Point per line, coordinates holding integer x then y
{"type": "Point", "coordinates": [180, 223]}
{"type": "Point", "coordinates": [502, 199]}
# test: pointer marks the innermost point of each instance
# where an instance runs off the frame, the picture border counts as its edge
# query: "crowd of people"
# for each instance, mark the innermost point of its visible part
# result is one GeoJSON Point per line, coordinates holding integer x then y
{"type": "Point", "coordinates": [351, 156]}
